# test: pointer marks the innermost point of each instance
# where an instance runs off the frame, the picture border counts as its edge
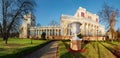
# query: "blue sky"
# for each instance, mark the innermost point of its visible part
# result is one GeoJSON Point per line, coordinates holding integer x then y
{"type": "Point", "coordinates": [48, 10]}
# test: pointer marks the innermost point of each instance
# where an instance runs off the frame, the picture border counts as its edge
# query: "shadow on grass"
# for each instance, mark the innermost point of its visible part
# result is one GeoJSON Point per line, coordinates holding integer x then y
{"type": "Point", "coordinates": [98, 50]}
{"type": "Point", "coordinates": [112, 50]}
{"type": "Point", "coordinates": [2, 49]}
{"type": "Point", "coordinates": [19, 53]}
{"type": "Point", "coordinates": [66, 44]}
{"type": "Point", "coordinates": [72, 55]}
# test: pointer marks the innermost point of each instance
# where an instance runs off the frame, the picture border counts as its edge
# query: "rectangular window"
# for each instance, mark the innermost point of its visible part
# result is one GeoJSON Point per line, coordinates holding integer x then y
{"type": "Point", "coordinates": [89, 17]}
{"type": "Point", "coordinates": [82, 14]}
{"type": "Point", "coordinates": [96, 20]}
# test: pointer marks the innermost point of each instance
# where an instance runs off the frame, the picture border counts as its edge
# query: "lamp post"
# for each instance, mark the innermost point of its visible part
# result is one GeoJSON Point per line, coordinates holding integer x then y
{"type": "Point", "coordinates": [97, 35]}
{"type": "Point", "coordinates": [31, 36]}
{"type": "Point", "coordinates": [97, 32]}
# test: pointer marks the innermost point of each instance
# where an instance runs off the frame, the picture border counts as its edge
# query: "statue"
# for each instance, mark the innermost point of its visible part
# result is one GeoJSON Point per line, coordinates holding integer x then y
{"type": "Point", "coordinates": [75, 30]}
{"type": "Point", "coordinates": [75, 43]}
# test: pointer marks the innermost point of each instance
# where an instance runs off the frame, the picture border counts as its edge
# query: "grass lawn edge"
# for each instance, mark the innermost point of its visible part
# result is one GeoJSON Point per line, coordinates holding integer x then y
{"type": "Point", "coordinates": [25, 51]}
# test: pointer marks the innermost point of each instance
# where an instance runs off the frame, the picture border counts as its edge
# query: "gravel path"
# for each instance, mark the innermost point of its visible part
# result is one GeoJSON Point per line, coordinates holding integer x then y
{"type": "Point", "coordinates": [48, 51]}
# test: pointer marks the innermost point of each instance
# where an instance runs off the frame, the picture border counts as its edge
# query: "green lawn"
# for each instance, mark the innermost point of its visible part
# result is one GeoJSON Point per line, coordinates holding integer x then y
{"type": "Point", "coordinates": [114, 47]}
{"type": "Point", "coordinates": [93, 50]}
{"type": "Point", "coordinates": [64, 53]}
{"type": "Point", "coordinates": [17, 47]}
{"type": "Point", "coordinates": [96, 50]}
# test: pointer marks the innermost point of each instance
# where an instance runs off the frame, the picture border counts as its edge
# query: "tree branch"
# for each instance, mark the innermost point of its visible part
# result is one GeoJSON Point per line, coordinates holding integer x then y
{"type": "Point", "coordinates": [13, 19]}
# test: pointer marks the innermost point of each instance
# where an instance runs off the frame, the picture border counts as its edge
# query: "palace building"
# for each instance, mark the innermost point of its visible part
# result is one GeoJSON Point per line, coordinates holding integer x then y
{"type": "Point", "coordinates": [90, 28]}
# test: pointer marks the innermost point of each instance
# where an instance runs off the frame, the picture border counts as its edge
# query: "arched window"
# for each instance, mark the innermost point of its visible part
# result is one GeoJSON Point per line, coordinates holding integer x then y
{"type": "Point", "coordinates": [82, 14]}
{"type": "Point", "coordinates": [96, 20]}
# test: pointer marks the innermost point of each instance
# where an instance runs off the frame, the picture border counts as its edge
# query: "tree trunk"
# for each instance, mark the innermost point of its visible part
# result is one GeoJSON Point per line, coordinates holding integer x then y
{"type": "Point", "coordinates": [6, 40]}
{"type": "Point", "coordinates": [5, 37]}
{"type": "Point", "coordinates": [31, 41]}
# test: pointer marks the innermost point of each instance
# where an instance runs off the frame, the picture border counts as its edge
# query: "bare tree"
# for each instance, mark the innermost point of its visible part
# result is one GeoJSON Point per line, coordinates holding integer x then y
{"type": "Point", "coordinates": [118, 31]}
{"type": "Point", "coordinates": [105, 14]}
{"type": "Point", "coordinates": [53, 23]}
{"type": "Point", "coordinates": [11, 15]}
{"type": "Point", "coordinates": [38, 24]}
{"type": "Point", "coordinates": [112, 23]}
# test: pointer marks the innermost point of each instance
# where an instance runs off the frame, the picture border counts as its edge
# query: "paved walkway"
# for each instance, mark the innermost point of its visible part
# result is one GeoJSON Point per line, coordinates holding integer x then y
{"type": "Point", "coordinates": [48, 51]}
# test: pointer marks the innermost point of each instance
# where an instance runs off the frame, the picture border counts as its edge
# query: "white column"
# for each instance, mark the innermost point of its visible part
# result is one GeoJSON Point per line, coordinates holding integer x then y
{"type": "Point", "coordinates": [55, 32]}
{"type": "Point", "coordinates": [51, 32]}
{"type": "Point", "coordinates": [46, 32]}
{"type": "Point", "coordinates": [88, 29]}
{"type": "Point", "coordinates": [60, 32]}
{"type": "Point", "coordinates": [84, 28]}
{"type": "Point", "coordinates": [40, 31]}
{"type": "Point", "coordinates": [92, 30]}
{"type": "Point", "coordinates": [95, 30]}
{"type": "Point", "coordinates": [37, 32]}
